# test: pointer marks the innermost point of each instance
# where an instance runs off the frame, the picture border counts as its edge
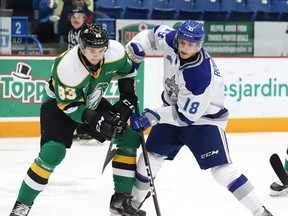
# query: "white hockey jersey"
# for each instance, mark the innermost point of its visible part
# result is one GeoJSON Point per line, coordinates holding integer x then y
{"type": "Point", "coordinates": [194, 92]}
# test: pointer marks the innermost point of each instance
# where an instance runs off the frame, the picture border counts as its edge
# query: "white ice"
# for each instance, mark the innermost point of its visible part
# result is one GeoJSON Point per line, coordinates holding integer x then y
{"type": "Point", "coordinates": [77, 188]}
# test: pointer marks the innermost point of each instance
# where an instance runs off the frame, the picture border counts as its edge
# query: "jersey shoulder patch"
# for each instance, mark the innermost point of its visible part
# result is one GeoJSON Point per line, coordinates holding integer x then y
{"type": "Point", "coordinates": [70, 71]}
{"type": "Point", "coordinates": [115, 52]}
{"type": "Point", "coordinates": [170, 38]}
{"type": "Point", "coordinates": [198, 78]}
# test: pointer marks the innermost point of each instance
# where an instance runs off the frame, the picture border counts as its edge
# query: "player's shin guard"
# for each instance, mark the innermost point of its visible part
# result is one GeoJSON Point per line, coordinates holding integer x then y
{"type": "Point", "coordinates": [37, 176]}
{"type": "Point", "coordinates": [141, 184]}
{"type": "Point", "coordinates": [124, 167]}
{"type": "Point", "coordinates": [238, 185]}
{"type": "Point", "coordinates": [124, 162]}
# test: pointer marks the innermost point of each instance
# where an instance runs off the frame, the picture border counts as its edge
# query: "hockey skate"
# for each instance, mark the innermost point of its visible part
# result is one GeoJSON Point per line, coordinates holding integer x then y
{"type": "Point", "coordinates": [139, 205]}
{"type": "Point", "coordinates": [120, 204]}
{"type": "Point", "coordinates": [278, 189]}
{"type": "Point", "coordinates": [20, 209]}
{"type": "Point", "coordinates": [263, 212]}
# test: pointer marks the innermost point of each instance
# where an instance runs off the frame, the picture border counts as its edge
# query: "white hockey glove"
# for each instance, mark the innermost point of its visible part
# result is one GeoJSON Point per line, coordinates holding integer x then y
{"type": "Point", "coordinates": [136, 53]}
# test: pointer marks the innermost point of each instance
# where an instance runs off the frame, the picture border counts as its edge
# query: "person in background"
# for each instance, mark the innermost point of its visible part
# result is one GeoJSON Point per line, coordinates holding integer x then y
{"type": "Point", "coordinates": [193, 112]}
{"type": "Point", "coordinates": [77, 18]}
{"type": "Point", "coordinates": [64, 24]}
{"type": "Point", "coordinates": [73, 96]}
{"type": "Point", "coordinates": [277, 188]}
{"type": "Point", "coordinates": [47, 28]}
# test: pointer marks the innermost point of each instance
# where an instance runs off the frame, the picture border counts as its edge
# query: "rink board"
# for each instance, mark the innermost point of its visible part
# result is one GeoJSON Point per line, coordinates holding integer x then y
{"type": "Point", "coordinates": [32, 128]}
{"type": "Point", "coordinates": [256, 92]}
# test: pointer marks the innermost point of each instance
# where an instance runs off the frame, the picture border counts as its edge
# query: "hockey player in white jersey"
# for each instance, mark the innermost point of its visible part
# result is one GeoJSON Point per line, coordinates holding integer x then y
{"type": "Point", "coordinates": [193, 112]}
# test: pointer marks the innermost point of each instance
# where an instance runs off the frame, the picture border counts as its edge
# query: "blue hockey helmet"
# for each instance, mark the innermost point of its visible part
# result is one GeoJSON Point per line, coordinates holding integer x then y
{"type": "Point", "coordinates": [191, 31]}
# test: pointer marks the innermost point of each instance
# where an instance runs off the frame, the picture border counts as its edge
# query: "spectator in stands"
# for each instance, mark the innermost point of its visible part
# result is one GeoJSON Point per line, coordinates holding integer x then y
{"type": "Point", "coordinates": [64, 25]}
{"type": "Point", "coordinates": [77, 18]}
{"type": "Point", "coordinates": [47, 27]}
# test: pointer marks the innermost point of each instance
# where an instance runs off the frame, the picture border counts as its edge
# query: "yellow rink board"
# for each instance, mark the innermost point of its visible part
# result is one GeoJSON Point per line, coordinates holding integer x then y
{"type": "Point", "coordinates": [32, 129]}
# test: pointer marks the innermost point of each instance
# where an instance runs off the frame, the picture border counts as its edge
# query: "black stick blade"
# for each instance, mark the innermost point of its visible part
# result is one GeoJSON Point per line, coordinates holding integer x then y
{"type": "Point", "coordinates": [110, 155]}
{"type": "Point", "coordinates": [278, 168]}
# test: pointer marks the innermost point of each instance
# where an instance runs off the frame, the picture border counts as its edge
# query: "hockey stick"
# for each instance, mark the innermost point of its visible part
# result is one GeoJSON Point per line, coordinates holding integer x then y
{"type": "Point", "coordinates": [148, 168]}
{"type": "Point", "coordinates": [279, 169]}
{"type": "Point", "coordinates": [111, 152]}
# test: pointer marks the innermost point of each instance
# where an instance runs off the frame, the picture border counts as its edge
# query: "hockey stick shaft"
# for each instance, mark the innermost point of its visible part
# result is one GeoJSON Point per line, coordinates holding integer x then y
{"type": "Point", "coordinates": [148, 169]}
{"type": "Point", "coordinates": [278, 168]}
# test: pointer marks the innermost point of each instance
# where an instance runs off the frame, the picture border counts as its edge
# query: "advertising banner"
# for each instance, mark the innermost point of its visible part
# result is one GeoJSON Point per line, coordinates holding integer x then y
{"type": "Point", "coordinates": [22, 82]}
{"type": "Point", "coordinates": [5, 35]}
{"type": "Point", "coordinates": [271, 39]}
{"type": "Point", "coordinates": [255, 88]}
{"type": "Point", "coordinates": [229, 38]}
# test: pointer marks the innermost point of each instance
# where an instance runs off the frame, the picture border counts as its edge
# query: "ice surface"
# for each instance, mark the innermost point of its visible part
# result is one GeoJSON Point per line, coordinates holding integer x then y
{"type": "Point", "coordinates": [77, 188]}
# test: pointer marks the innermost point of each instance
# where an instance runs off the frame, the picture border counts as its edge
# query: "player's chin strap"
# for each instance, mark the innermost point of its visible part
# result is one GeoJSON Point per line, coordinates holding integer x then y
{"type": "Point", "coordinates": [148, 168]}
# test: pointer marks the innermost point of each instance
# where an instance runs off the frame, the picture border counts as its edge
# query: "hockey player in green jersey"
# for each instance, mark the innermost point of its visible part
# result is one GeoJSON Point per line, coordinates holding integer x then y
{"type": "Point", "coordinates": [74, 95]}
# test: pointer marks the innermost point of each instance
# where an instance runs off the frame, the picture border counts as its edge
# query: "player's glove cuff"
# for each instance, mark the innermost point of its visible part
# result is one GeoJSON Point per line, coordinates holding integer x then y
{"type": "Point", "coordinates": [147, 119]}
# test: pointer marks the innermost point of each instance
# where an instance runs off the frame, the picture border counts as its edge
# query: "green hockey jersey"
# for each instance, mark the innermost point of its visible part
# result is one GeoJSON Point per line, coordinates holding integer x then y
{"type": "Point", "coordinates": [76, 87]}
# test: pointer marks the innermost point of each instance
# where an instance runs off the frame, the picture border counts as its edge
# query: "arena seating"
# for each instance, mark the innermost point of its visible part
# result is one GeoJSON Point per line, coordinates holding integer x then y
{"type": "Point", "coordinates": [237, 15]}
{"type": "Point", "coordinates": [266, 16]}
{"type": "Point", "coordinates": [112, 11]}
{"type": "Point", "coordinates": [136, 13]}
{"type": "Point", "coordinates": [225, 10]}
{"type": "Point", "coordinates": [189, 14]}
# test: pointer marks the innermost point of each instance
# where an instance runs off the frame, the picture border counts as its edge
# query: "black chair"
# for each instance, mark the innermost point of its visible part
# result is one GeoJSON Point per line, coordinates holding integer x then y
{"type": "Point", "coordinates": [163, 13]}
{"type": "Point", "coordinates": [136, 13]}
{"type": "Point", "coordinates": [241, 15]}
{"type": "Point", "coordinates": [190, 14]}
{"type": "Point", "coordinates": [215, 15]}
{"type": "Point", "coordinates": [266, 16]}
{"type": "Point", "coordinates": [113, 12]}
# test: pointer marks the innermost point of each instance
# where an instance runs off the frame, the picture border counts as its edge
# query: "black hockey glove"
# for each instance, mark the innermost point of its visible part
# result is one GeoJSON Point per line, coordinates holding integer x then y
{"type": "Point", "coordinates": [125, 106]}
{"type": "Point", "coordinates": [104, 123]}
{"type": "Point", "coordinates": [86, 129]}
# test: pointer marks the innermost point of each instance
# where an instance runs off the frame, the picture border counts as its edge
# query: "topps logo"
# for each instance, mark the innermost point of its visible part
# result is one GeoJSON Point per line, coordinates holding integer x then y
{"type": "Point", "coordinates": [21, 86]}
{"type": "Point", "coordinates": [208, 154]}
